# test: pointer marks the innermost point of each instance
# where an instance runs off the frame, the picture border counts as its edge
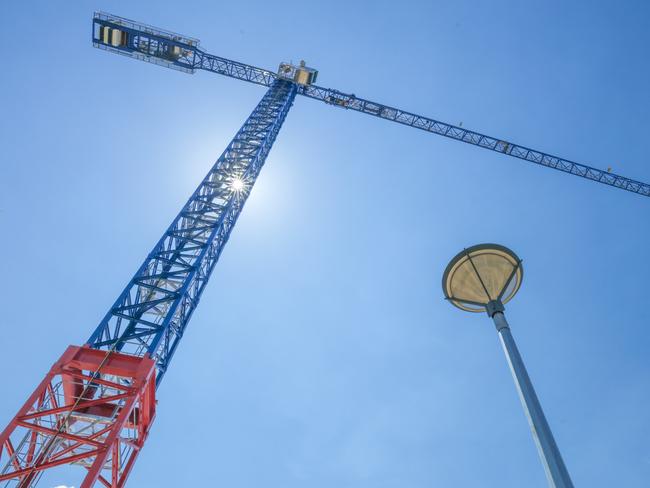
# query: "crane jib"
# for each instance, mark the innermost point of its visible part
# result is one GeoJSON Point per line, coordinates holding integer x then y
{"type": "Point", "coordinates": [183, 53]}
{"type": "Point", "coordinates": [352, 102]}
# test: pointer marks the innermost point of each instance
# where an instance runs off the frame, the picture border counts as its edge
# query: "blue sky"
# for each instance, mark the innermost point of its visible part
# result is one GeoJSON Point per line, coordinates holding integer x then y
{"type": "Point", "coordinates": [323, 353]}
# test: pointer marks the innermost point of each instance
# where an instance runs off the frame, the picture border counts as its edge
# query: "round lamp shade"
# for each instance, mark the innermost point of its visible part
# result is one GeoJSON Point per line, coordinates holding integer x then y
{"type": "Point", "coordinates": [482, 274]}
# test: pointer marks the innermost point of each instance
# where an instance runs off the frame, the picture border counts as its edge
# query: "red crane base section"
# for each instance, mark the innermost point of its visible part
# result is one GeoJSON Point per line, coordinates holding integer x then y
{"type": "Point", "coordinates": [94, 409]}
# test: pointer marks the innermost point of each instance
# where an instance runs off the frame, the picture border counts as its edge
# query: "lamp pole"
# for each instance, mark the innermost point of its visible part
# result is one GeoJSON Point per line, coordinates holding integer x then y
{"type": "Point", "coordinates": [481, 279]}
{"type": "Point", "coordinates": [556, 472]}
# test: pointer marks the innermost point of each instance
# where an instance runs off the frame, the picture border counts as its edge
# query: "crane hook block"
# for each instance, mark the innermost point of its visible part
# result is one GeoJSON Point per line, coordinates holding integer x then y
{"type": "Point", "coordinates": [301, 74]}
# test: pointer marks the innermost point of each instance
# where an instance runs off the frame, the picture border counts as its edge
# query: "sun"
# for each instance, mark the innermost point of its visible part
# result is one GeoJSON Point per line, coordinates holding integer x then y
{"type": "Point", "coordinates": [237, 184]}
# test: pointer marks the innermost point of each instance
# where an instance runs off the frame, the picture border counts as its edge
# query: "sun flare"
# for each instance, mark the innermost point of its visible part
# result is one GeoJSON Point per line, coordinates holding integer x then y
{"type": "Point", "coordinates": [237, 184]}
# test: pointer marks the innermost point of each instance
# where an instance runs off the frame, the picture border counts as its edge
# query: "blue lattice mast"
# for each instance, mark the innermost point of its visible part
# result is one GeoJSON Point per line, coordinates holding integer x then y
{"type": "Point", "coordinates": [96, 405]}
{"type": "Point", "coordinates": [151, 314]}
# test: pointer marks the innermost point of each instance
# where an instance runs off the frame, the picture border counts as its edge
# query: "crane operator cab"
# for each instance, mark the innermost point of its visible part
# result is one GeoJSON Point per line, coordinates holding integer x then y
{"type": "Point", "coordinates": [301, 74]}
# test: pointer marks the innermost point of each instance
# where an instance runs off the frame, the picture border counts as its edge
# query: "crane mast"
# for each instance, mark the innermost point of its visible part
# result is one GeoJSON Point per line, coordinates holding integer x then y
{"type": "Point", "coordinates": [95, 406]}
{"type": "Point", "coordinates": [151, 314]}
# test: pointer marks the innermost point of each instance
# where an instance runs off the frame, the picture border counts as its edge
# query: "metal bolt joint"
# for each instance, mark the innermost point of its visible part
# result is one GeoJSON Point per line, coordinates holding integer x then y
{"type": "Point", "coordinates": [494, 306]}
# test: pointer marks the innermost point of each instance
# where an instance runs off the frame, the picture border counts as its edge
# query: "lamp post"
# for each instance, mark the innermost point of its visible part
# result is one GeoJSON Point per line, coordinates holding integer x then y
{"type": "Point", "coordinates": [483, 278]}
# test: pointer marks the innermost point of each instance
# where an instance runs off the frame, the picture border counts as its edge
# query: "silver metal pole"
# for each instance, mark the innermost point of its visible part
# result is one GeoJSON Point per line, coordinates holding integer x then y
{"type": "Point", "coordinates": [556, 472]}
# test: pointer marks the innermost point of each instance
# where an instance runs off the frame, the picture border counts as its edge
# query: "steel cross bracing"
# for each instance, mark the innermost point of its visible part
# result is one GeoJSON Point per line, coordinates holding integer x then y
{"type": "Point", "coordinates": [97, 420]}
{"type": "Point", "coordinates": [152, 312]}
{"type": "Point", "coordinates": [153, 45]}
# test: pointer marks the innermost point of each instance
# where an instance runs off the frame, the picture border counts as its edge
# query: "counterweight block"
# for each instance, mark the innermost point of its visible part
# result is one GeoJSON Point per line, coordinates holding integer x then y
{"type": "Point", "coordinates": [94, 408]}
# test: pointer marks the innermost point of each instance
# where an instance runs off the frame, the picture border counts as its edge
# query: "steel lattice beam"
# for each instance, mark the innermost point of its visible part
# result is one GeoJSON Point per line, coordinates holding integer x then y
{"type": "Point", "coordinates": [503, 146]}
{"type": "Point", "coordinates": [151, 314]}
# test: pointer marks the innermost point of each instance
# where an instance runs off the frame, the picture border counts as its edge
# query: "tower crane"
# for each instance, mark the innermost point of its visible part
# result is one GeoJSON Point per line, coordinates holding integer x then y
{"type": "Point", "coordinates": [96, 405]}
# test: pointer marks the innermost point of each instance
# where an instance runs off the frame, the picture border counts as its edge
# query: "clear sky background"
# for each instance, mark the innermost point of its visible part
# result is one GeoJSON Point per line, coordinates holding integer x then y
{"type": "Point", "coordinates": [323, 353]}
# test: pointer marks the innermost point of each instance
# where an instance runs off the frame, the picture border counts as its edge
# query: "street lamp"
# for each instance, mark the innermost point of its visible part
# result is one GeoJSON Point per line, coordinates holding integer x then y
{"type": "Point", "coordinates": [481, 279]}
